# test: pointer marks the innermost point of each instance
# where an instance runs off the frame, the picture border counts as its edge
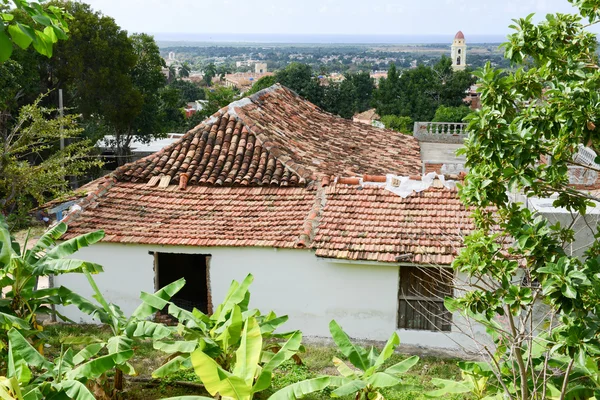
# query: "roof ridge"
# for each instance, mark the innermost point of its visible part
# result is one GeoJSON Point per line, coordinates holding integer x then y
{"type": "Point", "coordinates": [311, 223]}
{"type": "Point", "coordinates": [80, 206]}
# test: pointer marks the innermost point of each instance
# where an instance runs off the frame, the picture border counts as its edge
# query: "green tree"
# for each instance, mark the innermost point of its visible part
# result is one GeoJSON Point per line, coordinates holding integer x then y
{"type": "Point", "coordinates": [218, 98]}
{"type": "Point", "coordinates": [51, 22]}
{"type": "Point", "coordinates": [543, 109]}
{"type": "Point", "coordinates": [386, 97]}
{"type": "Point", "coordinates": [184, 71]}
{"type": "Point", "coordinates": [147, 79]}
{"type": "Point", "coordinates": [451, 114]}
{"type": "Point", "coordinates": [172, 73]}
{"type": "Point", "coordinates": [418, 92]}
{"type": "Point", "coordinates": [398, 124]}
{"type": "Point", "coordinates": [223, 70]}
{"type": "Point", "coordinates": [262, 83]}
{"type": "Point", "coordinates": [188, 91]}
{"type": "Point", "coordinates": [299, 78]}
{"type": "Point", "coordinates": [210, 71]}
{"type": "Point", "coordinates": [171, 109]}
{"type": "Point", "coordinates": [364, 87]}
{"type": "Point", "coordinates": [32, 167]}
{"type": "Point", "coordinates": [112, 79]}
{"type": "Point", "coordinates": [93, 66]}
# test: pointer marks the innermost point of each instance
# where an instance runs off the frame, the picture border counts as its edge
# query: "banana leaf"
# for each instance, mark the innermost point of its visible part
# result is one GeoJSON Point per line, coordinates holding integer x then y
{"type": "Point", "coordinates": [157, 301]}
{"type": "Point", "coordinates": [356, 354]}
{"type": "Point", "coordinates": [174, 365]}
{"type": "Point", "coordinates": [300, 389]}
{"type": "Point", "coordinates": [248, 354]}
{"type": "Point", "coordinates": [403, 366]}
{"type": "Point", "coordinates": [217, 380]}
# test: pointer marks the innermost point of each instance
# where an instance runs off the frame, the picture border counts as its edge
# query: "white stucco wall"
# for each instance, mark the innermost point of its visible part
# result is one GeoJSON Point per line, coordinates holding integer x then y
{"type": "Point", "coordinates": [312, 291]}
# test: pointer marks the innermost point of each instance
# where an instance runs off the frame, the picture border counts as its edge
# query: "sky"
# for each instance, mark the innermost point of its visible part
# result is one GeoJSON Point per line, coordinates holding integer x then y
{"type": "Point", "coordinates": [324, 17]}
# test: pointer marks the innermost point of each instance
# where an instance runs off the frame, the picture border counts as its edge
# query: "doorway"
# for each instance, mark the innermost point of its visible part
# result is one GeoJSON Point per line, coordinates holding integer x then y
{"type": "Point", "coordinates": [194, 268]}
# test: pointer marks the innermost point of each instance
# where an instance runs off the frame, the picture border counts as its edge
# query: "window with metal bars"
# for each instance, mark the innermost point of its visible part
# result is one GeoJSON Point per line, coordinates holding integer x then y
{"type": "Point", "coordinates": [421, 295]}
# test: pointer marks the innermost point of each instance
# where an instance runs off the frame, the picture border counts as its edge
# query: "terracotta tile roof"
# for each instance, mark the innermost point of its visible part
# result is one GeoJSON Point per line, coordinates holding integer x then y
{"type": "Point", "coordinates": [198, 216]}
{"type": "Point", "coordinates": [371, 223]}
{"type": "Point", "coordinates": [323, 143]}
{"type": "Point", "coordinates": [275, 138]}
{"type": "Point", "coordinates": [218, 152]}
{"type": "Point", "coordinates": [257, 173]}
{"type": "Point", "coordinates": [78, 193]}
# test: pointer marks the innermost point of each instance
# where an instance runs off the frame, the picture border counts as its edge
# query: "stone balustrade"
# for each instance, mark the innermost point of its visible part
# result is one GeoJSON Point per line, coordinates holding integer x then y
{"type": "Point", "coordinates": [444, 132]}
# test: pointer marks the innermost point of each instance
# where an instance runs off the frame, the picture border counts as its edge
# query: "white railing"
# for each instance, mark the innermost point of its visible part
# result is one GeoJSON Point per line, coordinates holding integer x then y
{"type": "Point", "coordinates": [440, 128]}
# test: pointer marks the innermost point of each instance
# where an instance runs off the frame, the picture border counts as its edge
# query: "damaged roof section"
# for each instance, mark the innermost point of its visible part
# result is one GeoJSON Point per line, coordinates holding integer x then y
{"type": "Point", "coordinates": [275, 138]}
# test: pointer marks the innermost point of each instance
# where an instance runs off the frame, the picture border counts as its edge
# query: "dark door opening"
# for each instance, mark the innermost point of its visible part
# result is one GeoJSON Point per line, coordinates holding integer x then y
{"type": "Point", "coordinates": [192, 267]}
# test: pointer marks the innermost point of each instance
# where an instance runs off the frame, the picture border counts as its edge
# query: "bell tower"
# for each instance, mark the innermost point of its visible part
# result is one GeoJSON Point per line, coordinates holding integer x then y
{"type": "Point", "coordinates": [459, 52]}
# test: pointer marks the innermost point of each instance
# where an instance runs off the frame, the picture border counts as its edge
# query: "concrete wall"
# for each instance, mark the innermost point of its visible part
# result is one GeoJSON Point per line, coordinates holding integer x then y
{"type": "Point", "coordinates": [312, 291]}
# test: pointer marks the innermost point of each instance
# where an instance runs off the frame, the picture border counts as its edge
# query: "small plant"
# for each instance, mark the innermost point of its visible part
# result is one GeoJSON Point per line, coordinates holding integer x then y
{"type": "Point", "coordinates": [20, 270]}
{"type": "Point", "coordinates": [219, 335]}
{"type": "Point", "coordinates": [476, 377]}
{"type": "Point", "coordinates": [31, 376]}
{"type": "Point", "coordinates": [120, 345]}
{"type": "Point", "coordinates": [250, 372]}
{"type": "Point", "coordinates": [364, 379]}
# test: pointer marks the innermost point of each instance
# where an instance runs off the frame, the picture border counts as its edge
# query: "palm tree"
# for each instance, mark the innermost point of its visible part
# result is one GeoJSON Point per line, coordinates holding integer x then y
{"type": "Point", "coordinates": [210, 71]}
{"type": "Point", "coordinates": [184, 71]}
{"type": "Point", "coordinates": [172, 73]}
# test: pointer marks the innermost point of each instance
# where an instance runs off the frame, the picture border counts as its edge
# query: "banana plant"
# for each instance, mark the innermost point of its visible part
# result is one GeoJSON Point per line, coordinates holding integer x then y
{"type": "Point", "coordinates": [364, 379]}
{"type": "Point", "coordinates": [30, 376]}
{"type": "Point", "coordinates": [476, 377]}
{"type": "Point", "coordinates": [20, 269]}
{"type": "Point", "coordinates": [219, 334]}
{"type": "Point", "coordinates": [138, 325]}
{"type": "Point", "coordinates": [248, 374]}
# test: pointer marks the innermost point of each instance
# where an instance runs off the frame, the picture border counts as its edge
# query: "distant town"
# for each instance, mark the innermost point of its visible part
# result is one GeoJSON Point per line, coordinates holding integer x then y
{"type": "Point", "coordinates": [328, 60]}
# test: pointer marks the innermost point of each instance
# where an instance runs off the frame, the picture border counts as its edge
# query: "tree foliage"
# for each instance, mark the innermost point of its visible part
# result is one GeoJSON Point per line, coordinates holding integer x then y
{"type": "Point", "coordinates": [262, 83]}
{"type": "Point", "coordinates": [353, 94]}
{"type": "Point", "coordinates": [32, 166]}
{"type": "Point", "coordinates": [112, 79]}
{"type": "Point", "coordinates": [47, 26]}
{"type": "Point", "coordinates": [210, 71]}
{"type": "Point", "coordinates": [417, 93]}
{"type": "Point", "coordinates": [398, 124]}
{"type": "Point", "coordinates": [533, 121]}
{"type": "Point", "coordinates": [451, 113]}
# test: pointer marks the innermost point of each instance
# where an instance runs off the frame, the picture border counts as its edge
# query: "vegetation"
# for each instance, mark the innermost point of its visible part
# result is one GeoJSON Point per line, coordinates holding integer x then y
{"type": "Point", "coordinates": [365, 381]}
{"type": "Point", "coordinates": [419, 92]}
{"type": "Point", "coordinates": [234, 352]}
{"type": "Point", "coordinates": [398, 124]}
{"type": "Point", "coordinates": [451, 114]}
{"type": "Point", "coordinates": [51, 24]}
{"type": "Point", "coordinates": [537, 297]}
{"type": "Point", "coordinates": [330, 58]}
{"type": "Point", "coordinates": [353, 94]}
{"type": "Point", "coordinates": [33, 167]}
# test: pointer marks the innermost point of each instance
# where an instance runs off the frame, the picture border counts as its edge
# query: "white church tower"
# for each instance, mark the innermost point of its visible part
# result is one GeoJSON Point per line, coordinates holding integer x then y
{"type": "Point", "coordinates": [459, 52]}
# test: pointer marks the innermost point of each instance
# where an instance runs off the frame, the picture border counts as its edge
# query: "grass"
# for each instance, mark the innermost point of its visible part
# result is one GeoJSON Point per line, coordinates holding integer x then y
{"type": "Point", "coordinates": [316, 361]}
